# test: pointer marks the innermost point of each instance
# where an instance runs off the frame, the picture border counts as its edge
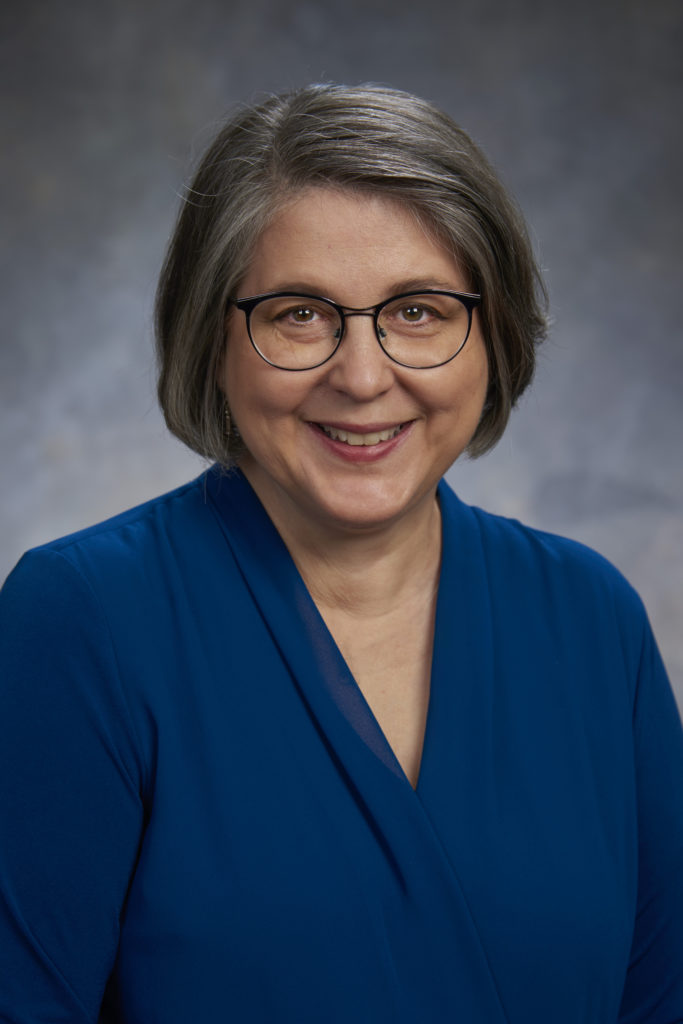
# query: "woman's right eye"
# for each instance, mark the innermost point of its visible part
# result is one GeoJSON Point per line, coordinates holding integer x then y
{"type": "Point", "coordinates": [294, 314]}
{"type": "Point", "coordinates": [301, 315]}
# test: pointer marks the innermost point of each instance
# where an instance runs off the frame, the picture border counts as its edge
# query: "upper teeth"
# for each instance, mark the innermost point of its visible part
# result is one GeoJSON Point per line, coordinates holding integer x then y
{"type": "Point", "coordinates": [349, 437]}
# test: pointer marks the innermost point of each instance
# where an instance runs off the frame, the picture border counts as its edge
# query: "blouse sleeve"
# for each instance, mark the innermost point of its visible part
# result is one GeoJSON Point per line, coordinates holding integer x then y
{"type": "Point", "coordinates": [653, 992]}
{"type": "Point", "coordinates": [70, 806]}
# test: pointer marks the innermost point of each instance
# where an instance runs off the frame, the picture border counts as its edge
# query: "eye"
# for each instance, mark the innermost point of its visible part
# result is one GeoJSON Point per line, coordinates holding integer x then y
{"type": "Point", "coordinates": [296, 318]}
{"type": "Point", "coordinates": [413, 314]}
{"type": "Point", "coordinates": [303, 315]}
{"type": "Point", "coordinates": [298, 314]}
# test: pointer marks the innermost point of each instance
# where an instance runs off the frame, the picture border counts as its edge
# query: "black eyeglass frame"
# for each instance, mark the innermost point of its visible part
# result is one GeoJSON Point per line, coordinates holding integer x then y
{"type": "Point", "coordinates": [470, 300]}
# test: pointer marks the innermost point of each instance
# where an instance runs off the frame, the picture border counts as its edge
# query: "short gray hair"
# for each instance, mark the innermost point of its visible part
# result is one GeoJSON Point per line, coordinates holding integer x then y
{"type": "Point", "coordinates": [369, 139]}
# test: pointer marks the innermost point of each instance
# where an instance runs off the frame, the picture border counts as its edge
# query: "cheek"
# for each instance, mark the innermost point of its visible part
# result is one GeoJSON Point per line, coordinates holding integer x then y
{"type": "Point", "coordinates": [476, 379]}
{"type": "Point", "coordinates": [240, 371]}
{"type": "Point", "coordinates": [463, 393]}
{"type": "Point", "coordinates": [260, 397]}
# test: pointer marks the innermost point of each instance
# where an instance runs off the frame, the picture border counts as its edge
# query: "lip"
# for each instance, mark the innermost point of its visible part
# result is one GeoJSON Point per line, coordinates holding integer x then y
{"type": "Point", "coordinates": [362, 453]}
{"type": "Point", "coordinates": [361, 428]}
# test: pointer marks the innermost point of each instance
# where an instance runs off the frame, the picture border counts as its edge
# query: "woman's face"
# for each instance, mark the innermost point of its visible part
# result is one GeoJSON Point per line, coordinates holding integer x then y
{"type": "Point", "coordinates": [356, 250]}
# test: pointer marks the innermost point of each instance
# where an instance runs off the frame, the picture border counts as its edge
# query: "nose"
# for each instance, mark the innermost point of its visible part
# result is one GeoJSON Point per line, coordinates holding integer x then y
{"type": "Point", "coordinates": [359, 367]}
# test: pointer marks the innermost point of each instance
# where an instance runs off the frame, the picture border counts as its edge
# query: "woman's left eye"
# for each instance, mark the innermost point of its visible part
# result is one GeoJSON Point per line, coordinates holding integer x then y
{"type": "Point", "coordinates": [416, 314]}
{"type": "Point", "coordinates": [302, 315]}
{"type": "Point", "coordinates": [413, 313]}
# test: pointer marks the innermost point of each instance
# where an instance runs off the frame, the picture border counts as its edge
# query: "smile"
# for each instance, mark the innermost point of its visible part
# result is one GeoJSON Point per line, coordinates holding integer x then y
{"type": "Point", "coordinates": [358, 440]}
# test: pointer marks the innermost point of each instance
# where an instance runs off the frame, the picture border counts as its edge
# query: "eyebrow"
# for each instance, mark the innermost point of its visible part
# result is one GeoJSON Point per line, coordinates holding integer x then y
{"type": "Point", "coordinates": [411, 284]}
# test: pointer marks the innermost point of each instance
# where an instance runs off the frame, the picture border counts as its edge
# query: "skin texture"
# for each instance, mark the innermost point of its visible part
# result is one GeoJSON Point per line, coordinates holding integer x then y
{"type": "Point", "coordinates": [362, 524]}
{"type": "Point", "coordinates": [357, 250]}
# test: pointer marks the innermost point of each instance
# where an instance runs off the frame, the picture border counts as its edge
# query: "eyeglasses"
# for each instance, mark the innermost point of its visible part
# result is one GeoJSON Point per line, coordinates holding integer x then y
{"type": "Point", "coordinates": [419, 330]}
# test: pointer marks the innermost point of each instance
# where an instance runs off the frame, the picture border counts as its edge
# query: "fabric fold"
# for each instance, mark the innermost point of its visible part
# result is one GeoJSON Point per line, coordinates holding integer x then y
{"type": "Point", "coordinates": [433, 924]}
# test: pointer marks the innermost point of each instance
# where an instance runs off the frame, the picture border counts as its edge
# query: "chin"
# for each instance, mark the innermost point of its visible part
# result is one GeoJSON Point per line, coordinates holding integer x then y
{"type": "Point", "coordinates": [358, 511]}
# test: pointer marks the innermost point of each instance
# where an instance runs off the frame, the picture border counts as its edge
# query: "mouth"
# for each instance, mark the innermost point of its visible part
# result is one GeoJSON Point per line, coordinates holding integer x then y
{"type": "Point", "coordinates": [358, 440]}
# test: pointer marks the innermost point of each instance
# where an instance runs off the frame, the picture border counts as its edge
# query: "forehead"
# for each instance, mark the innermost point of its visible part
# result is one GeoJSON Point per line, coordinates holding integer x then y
{"type": "Point", "coordinates": [337, 241]}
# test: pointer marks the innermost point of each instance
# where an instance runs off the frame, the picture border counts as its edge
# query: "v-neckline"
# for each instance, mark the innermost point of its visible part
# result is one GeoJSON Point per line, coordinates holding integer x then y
{"type": "Point", "coordinates": [278, 587]}
{"type": "Point", "coordinates": [417, 829]}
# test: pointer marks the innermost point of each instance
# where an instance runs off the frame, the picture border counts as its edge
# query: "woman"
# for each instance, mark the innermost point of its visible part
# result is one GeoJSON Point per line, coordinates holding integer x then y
{"type": "Point", "coordinates": [309, 739]}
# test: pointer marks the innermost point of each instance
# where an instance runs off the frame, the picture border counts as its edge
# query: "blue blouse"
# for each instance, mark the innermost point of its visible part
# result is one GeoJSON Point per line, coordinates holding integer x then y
{"type": "Point", "coordinates": [201, 820]}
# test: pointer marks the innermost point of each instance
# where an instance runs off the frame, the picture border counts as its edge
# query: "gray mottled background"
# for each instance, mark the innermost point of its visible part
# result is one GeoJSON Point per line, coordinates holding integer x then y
{"type": "Point", "coordinates": [579, 105]}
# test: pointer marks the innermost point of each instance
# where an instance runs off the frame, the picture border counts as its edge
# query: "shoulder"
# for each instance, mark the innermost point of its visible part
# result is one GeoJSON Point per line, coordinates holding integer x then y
{"type": "Point", "coordinates": [141, 536]}
{"type": "Point", "coordinates": [123, 580]}
{"type": "Point", "coordinates": [552, 574]}
{"type": "Point", "coordinates": [146, 518]}
{"type": "Point", "coordinates": [521, 544]}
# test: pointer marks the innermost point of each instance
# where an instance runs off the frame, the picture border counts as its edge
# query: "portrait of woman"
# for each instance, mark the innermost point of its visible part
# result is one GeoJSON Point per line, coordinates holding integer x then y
{"type": "Point", "coordinates": [308, 738]}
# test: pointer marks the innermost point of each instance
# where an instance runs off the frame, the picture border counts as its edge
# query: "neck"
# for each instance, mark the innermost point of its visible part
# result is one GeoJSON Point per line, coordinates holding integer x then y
{"type": "Point", "coordinates": [364, 573]}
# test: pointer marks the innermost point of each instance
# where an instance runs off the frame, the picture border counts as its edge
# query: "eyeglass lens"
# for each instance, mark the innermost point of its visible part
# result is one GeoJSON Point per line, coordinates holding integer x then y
{"type": "Point", "coordinates": [421, 330]}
